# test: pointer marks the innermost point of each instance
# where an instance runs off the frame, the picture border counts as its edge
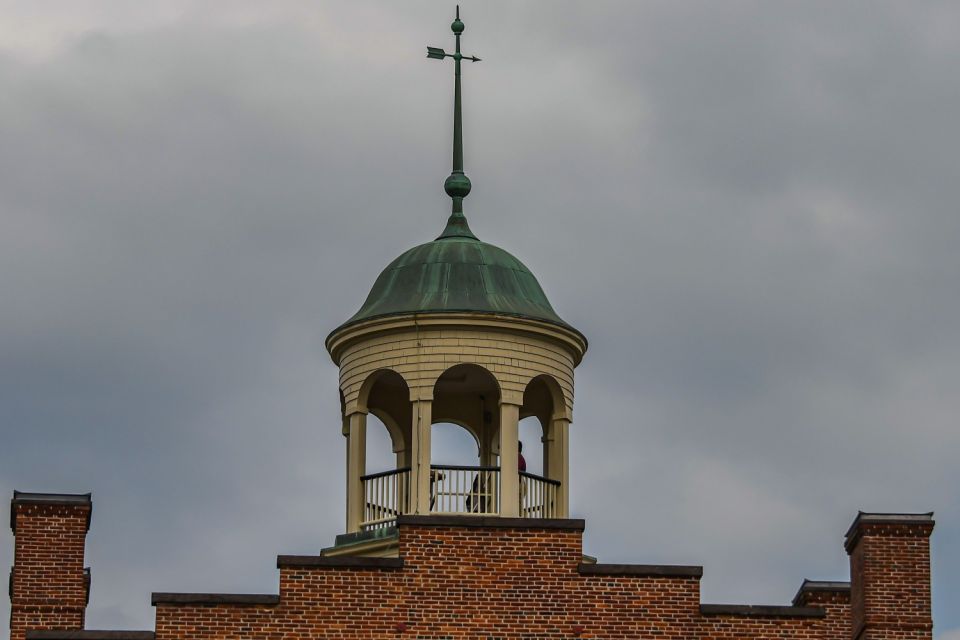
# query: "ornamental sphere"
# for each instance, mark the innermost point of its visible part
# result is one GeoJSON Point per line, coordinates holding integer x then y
{"type": "Point", "coordinates": [457, 185]}
{"type": "Point", "coordinates": [457, 26]}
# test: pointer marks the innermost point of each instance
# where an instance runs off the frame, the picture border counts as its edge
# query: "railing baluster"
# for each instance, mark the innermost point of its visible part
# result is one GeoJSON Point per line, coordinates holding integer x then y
{"type": "Point", "coordinates": [461, 477]}
{"type": "Point", "coordinates": [454, 489]}
{"type": "Point", "coordinates": [385, 496]}
{"type": "Point", "coordinates": [538, 496]}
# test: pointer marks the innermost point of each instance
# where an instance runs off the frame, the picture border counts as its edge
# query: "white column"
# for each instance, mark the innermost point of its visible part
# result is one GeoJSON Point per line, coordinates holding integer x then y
{"type": "Point", "coordinates": [356, 468]}
{"type": "Point", "coordinates": [560, 463]}
{"type": "Point", "coordinates": [509, 473]}
{"type": "Point", "coordinates": [420, 483]}
{"type": "Point", "coordinates": [547, 447]}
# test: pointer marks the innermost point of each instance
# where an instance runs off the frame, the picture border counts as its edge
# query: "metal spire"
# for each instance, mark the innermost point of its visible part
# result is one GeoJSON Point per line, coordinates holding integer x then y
{"type": "Point", "coordinates": [457, 184]}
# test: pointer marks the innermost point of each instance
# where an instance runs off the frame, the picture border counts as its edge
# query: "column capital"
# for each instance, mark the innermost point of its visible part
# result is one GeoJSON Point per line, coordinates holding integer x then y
{"type": "Point", "coordinates": [421, 394]}
{"type": "Point", "coordinates": [508, 396]}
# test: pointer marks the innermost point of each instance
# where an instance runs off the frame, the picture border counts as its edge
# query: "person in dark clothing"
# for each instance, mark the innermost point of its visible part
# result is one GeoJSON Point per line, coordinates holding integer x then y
{"type": "Point", "coordinates": [521, 463]}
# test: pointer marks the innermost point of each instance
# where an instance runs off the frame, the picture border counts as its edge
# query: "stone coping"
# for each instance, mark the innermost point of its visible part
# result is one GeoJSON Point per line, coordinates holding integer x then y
{"type": "Point", "coordinates": [56, 498]}
{"type": "Point", "coordinates": [360, 537]}
{"type": "Point", "coordinates": [492, 522]}
{"type": "Point", "coordinates": [28, 497]}
{"type": "Point", "coordinates": [641, 570]}
{"type": "Point", "coordinates": [214, 598]}
{"type": "Point", "coordinates": [90, 635]}
{"type": "Point", "coordinates": [821, 586]}
{"type": "Point", "coordinates": [866, 518]}
{"type": "Point", "coordinates": [761, 611]}
{"type": "Point", "coordinates": [341, 562]}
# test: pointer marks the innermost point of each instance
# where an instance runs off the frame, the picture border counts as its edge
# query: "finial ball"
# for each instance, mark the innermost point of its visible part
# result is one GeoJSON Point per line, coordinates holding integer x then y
{"type": "Point", "coordinates": [457, 185]}
{"type": "Point", "coordinates": [457, 26]}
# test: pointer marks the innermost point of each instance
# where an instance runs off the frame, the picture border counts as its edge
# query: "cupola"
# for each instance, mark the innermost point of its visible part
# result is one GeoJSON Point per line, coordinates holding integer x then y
{"type": "Point", "coordinates": [455, 330]}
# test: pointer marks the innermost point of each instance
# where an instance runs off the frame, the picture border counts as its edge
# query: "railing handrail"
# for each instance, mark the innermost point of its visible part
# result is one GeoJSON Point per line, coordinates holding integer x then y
{"type": "Point", "coordinates": [534, 476]}
{"type": "Point", "coordinates": [389, 510]}
{"type": "Point", "coordinates": [462, 467]}
{"type": "Point", "coordinates": [383, 474]}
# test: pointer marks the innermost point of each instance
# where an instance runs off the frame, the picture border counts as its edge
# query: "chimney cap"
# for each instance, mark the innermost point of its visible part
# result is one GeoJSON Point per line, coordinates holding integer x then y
{"type": "Point", "coordinates": [27, 497]}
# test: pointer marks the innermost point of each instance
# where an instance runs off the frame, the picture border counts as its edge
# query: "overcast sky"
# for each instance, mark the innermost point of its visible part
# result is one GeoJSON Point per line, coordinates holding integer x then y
{"type": "Point", "coordinates": [749, 208]}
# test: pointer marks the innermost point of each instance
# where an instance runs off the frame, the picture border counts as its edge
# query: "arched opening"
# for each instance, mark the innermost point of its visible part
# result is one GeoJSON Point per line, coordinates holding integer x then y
{"type": "Point", "coordinates": [539, 408]}
{"type": "Point", "coordinates": [467, 395]}
{"type": "Point", "coordinates": [452, 444]}
{"type": "Point", "coordinates": [464, 447]}
{"type": "Point", "coordinates": [380, 454]}
{"type": "Point", "coordinates": [531, 439]}
{"type": "Point", "coordinates": [386, 397]}
{"type": "Point", "coordinates": [381, 463]}
{"type": "Point", "coordinates": [542, 431]}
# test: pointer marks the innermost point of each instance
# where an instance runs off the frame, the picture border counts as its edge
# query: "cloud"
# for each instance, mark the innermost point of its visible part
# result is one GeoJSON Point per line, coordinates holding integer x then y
{"type": "Point", "coordinates": [749, 211]}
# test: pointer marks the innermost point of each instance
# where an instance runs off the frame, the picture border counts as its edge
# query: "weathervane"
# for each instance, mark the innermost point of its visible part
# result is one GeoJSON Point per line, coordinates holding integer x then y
{"type": "Point", "coordinates": [457, 184]}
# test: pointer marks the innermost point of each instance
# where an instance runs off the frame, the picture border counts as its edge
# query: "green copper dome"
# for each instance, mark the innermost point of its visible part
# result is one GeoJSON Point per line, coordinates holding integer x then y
{"type": "Point", "coordinates": [456, 273]}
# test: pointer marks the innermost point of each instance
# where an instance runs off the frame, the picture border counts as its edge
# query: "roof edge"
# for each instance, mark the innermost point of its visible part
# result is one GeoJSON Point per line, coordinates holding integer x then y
{"type": "Point", "coordinates": [90, 634]}
{"type": "Point", "coordinates": [339, 562]}
{"type": "Point", "coordinates": [65, 499]}
{"type": "Point", "coordinates": [214, 598]}
{"type": "Point", "coordinates": [762, 611]}
{"type": "Point", "coordinates": [340, 337]}
{"type": "Point", "coordinates": [491, 522]}
{"type": "Point", "coordinates": [820, 586]}
{"type": "Point", "coordinates": [642, 570]}
{"type": "Point", "coordinates": [853, 534]}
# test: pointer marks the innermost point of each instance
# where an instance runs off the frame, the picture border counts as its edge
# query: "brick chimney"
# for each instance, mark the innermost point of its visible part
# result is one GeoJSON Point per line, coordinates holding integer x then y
{"type": "Point", "coordinates": [890, 576]}
{"type": "Point", "coordinates": [49, 586]}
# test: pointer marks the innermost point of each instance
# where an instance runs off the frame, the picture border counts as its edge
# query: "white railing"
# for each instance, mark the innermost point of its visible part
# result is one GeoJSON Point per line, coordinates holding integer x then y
{"type": "Point", "coordinates": [453, 489]}
{"type": "Point", "coordinates": [538, 496]}
{"type": "Point", "coordinates": [385, 496]}
{"type": "Point", "coordinates": [459, 489]}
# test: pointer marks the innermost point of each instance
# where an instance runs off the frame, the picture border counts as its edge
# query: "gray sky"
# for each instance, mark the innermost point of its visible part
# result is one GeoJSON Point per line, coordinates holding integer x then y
{"type": "Point", "coordinates": [748, 207]}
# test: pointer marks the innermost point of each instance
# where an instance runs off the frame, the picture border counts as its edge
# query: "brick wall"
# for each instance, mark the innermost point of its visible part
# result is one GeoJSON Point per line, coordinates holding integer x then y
{"type": "Point", "coordinates": [49, 586]}
{"type": "Point", "coordinates": [890, 576]}
{"type": "Point", "coordinates": [834, 599]}
{"type": "Point", "coordinates": [486, 578]}
{"type": "Point", "coordinates": [469, 577]}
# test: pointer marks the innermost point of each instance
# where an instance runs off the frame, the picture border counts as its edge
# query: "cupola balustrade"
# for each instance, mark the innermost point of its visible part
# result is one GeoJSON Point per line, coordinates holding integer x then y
{"type": "Point", "coordinates": [454, 489]}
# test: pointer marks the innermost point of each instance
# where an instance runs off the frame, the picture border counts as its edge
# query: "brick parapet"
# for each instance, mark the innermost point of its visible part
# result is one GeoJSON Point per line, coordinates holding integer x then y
{"type": "Point", "coordinates": [890, 576]}
{"type": "Point", "coordinates": [888, 525]}
{"type": "Point", "coordinates": [822, 592]}
{"type": "Point", "coordinates": [472, 577]}
{"type": "Point", "coordinates": [457, 579]}
{"type": "Point", "coordinates": [49, 586]}
{"type": "Point", "coordinates": [833, 597]}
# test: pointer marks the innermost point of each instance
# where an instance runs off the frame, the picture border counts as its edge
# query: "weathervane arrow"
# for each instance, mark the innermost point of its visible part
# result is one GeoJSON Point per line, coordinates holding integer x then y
{"type": "Point", "coordinates": [457, 185]}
